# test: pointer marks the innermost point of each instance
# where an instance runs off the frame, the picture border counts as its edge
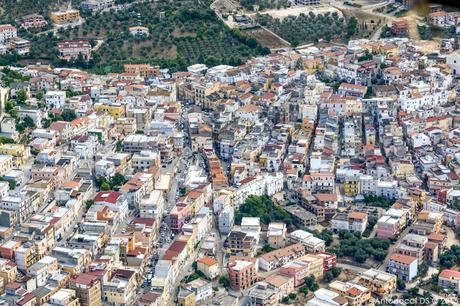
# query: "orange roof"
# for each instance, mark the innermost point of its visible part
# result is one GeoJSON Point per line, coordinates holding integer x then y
{"type": "Point", "coordinates": [357, 215]}
{"type": "Point", "coordinates": [70, 184]}
{"type": "Point", "coordinates": [353, 86]}
{"type": "Point", "coordinates": [209, 261]}
{"type": "Point", "coordinates": [404, 259]}
{"type": "Point", "coordinates": [249, 108]}
{"type": "Point", "coordinates": [326, 197]}
{"type": "Point", "coordinates": [438, 14]}
{"type": "Point", "coordinates": [450, 274]}
{"type": "Point", "coordinates": [354, 291]}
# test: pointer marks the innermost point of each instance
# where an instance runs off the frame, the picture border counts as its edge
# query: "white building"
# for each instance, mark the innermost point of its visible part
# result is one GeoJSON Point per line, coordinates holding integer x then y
{"type": "Point", "coordinates": [7, 33]}
{"type": "Point", "coordinates": [152, 206]}
{"type": "Point", "coordinates": [145, 159]}
{"type": "Point", "coordinates": [226, 219]}
{"type": "Point", "coordinates": [453, 62]}
{"type": "Point", "coordinates": [55, 98]}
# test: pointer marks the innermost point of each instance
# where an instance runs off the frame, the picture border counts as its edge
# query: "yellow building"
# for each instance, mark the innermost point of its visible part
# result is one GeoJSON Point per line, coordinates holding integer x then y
{"type": "Point", "coordinates": [19, 152]}
{"type": "Point", "coordinates": [121, 289]}
{"type": "Point", "coordinates": [402, 168]}
{"type": "Point", "coordinates": [65, 16]}
{"type": "Point", "coordinates": [315, 264]}
{"type": "Point", "coordinates": [116, 110]}
{"type": "Point", "coordinates": [417, 195]}
{"type": "Point", "coordinates": [8, 271]}
{"type": "Point", "coordinates": [379, 282]}
{"type": "Point", "coordinates": [126, 126]}
{"type": "Point", "coordinates": [432, 220]}
{"type": "Point", "coordinates": [313, 65]}
{"type": "Point", "coordinates": [352, 186]}
{"type": "Point", "coordinates": [186, 298]}
{"type": "Point", "coordinates": [355, 294]}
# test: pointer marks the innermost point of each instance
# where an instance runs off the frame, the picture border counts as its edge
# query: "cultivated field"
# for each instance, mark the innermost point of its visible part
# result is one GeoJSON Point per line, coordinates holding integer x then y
{"type": "Point", "coordinates": [266, 38]}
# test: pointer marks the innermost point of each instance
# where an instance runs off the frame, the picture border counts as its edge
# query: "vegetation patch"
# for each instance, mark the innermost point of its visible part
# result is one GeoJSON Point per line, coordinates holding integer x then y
{"type": "Point", "coordinates": [307, 28]}
{"type": "Point", "coordinates": [264, 208]}
{"type": "Point", "coordinates": [181, 33]}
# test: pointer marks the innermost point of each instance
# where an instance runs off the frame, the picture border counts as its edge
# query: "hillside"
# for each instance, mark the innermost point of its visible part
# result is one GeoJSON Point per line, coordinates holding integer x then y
{"type": "Point", "coordinates": [181, 33]}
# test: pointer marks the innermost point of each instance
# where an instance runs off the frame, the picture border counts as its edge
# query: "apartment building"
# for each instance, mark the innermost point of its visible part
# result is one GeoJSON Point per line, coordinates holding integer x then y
{"type": "Point", "coordinates": [279, 257]}
{"type": "Point", "coordinates": [263, 294]}
{"type": "Point", "coordinates": [67, 16]}
{"type": "Point", "coordinates": [32, 21]}
{"type": "Point", "coordinates": [379, 282]}
{"type": "Point", "coordinates": [240, 243]}
{"type": "Point", "coordinates": [209, 266]}
{"type": "Point", "coordinates": [144, 160]}
{"type": "Point", "coordinates": [242, 272]}
{"type": "Point", "coordinates": [353, 221]}
{"type": "Point", "coordinates": [449, 279]}
{"type": "Point", "coordinates": [311, 243]}
{"type": "Point", "coordinates": [19, 203]}
{"type": "Point", "coordinates": [7, 33]}
{"type": "Point", "coordinates": [96, 5]}
{"type": "Point", "coordinates": [121, 288]}
{"type": "Point", "coordinates": [276, 235]}
{"type": "Point", "coordinates": [72, 49]}
{"type": "Point", "coordinates": [355, 294]}
{"type": "Point", "coordinates": [296, 269]}
{"type": "Point", "coordinates": [404, 266]}
{"type": "Point", "coordinates": [66, 297]}
{"type": "Point", "coordinates": [143, 70]}
{"type": "Point", "coordinates": [19, 152]}
{"type": "Point", "coordinates": [6, 164]}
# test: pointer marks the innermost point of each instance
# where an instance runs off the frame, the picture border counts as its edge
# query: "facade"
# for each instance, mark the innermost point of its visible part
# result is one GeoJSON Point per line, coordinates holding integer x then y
{"type": "Point", "coordinates": [87, 288]}
{"type": "Point", "coordinates": [404, 266]}
{"type": "Point", "coordinates": [72, 49]}
{"type": "Point", "coordinates": [242, 272]}
{"type": "Point", "coordinates": [379, 282]}
{"type": "Point", "coordinates": [64, 17]}
{"type": "Point", "coordinates": [7, 33]}
{"type": "Point", "coordinates": [449, 279]}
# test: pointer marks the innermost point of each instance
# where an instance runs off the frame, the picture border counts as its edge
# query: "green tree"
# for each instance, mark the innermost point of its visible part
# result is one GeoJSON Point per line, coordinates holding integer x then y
{"type": "Point", "coordinates": [21, 96]}
{"type": "Point", "coordinates": [117, 180]}
{"type": "Point", "coordinates": [336, 271]}
{"type": "Point", "coordinates": [423, 270]}
{"type": "Point", "coordinates": [351, 26]}
{"type": "Point", "coordinates": [400, 284]}
{"type": "Point", "coordinates": [328, 276]}
{"type": "Point", "coordinates": [292, 296]}
{"type": "Point", "coordinates": [105, 186]}
{"type": "Point", "coordinates": [285, 300]}
{"type": "Point", "coordinates": [89, 203]}
{"type": "Point", "coordinates": [224, 281]}
{"type": "Point", "coordinates": [304, 290]}
{"type": "Point", "coordinates": [39, 95]}
{"type": "Point", "coordinates": [68, 115]}
{"type": "Point", "coordinates": [29, 122]}
{"type": "Point", "coordinates": [267, 248]}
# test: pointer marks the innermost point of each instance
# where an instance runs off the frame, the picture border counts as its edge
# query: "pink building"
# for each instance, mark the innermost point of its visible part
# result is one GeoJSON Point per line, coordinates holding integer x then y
{"type": "Point", "coordinates": [177, 217]}
{"type": "Point", "coordinates": [242, 272]}
{"type": "Point", "coordinates": [387, 227]}
{"type": "Point", "coordinates": [297, 269]}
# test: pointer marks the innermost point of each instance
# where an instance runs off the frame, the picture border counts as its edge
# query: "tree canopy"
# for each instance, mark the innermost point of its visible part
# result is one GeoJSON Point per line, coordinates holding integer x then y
{"type": "Point", "coordinates": [264, 208]}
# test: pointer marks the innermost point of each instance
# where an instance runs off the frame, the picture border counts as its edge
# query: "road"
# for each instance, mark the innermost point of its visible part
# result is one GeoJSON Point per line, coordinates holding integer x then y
{"type": "Point", "coordinates": [384, 264]}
